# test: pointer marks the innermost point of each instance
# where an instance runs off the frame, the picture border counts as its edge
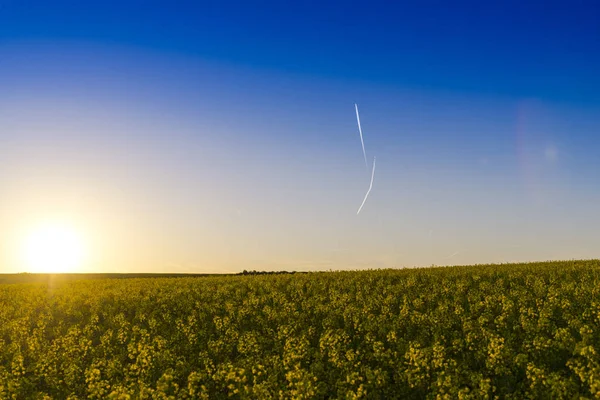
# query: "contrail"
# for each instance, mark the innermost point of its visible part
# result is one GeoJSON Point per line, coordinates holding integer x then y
{"type": "Point", "coordinates": [370, 187]}
{"type": "Point", "coordinates": [361, 136]}
{"type": "Point", "coordinates": [453, 254]}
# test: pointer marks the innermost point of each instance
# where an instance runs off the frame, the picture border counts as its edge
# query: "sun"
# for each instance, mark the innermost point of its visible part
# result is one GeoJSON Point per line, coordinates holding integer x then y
{"type": "Point", "coordinates": [54, 248]}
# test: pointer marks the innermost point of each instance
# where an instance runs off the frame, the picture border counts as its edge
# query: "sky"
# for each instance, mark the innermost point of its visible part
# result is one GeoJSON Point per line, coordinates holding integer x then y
{"type": "Point", "coordinates": [221, 136]}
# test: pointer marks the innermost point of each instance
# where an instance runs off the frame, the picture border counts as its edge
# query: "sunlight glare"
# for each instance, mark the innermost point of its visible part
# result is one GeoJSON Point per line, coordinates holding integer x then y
{"type": "Point", "coordinates": [54, 248]}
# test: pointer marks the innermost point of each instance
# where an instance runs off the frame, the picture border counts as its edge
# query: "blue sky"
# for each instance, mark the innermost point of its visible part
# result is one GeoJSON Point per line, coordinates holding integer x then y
{"type": "Point", "coordinates": [211, 136]}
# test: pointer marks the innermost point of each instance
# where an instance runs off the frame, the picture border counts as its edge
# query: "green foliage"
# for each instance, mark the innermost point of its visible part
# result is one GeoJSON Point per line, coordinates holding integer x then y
{"type": "Point", "coordinates": [527, 331]}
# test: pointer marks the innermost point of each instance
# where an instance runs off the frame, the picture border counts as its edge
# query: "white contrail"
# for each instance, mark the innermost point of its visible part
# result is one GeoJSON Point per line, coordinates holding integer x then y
{"type": "Point", "coordinates": [370, 187]}
{"type": "Point", "coordinates": [361, 136]}
{"type": "Point", "coordinates": [453, 254]}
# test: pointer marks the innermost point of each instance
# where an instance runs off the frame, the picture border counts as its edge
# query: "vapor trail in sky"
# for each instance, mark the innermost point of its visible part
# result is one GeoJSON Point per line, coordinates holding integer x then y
{"type": "Point", "coordinates": [370, 187]}
{"type": "Point", "coordinates": [453, 254]}
{"type": "Point", "coordinates": [361, 136]}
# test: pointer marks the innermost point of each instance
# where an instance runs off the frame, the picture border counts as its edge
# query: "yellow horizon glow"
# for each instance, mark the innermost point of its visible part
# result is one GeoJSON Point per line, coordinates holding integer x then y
{"type": "Point", "coordinates": [54, 247]}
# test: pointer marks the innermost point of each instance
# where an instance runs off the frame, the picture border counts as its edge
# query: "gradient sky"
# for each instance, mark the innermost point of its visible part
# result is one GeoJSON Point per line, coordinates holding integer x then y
{"type": "Point", "coordinates": [221, 136]}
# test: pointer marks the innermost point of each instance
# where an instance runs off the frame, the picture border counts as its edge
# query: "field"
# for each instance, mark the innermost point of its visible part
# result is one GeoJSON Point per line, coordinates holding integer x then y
{"type": "Point", "coordinates": [488, 331]}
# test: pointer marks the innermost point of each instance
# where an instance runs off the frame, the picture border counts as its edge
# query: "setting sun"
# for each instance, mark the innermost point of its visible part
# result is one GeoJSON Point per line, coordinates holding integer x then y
{"type": "Point", "coordinates": [54, 248]}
